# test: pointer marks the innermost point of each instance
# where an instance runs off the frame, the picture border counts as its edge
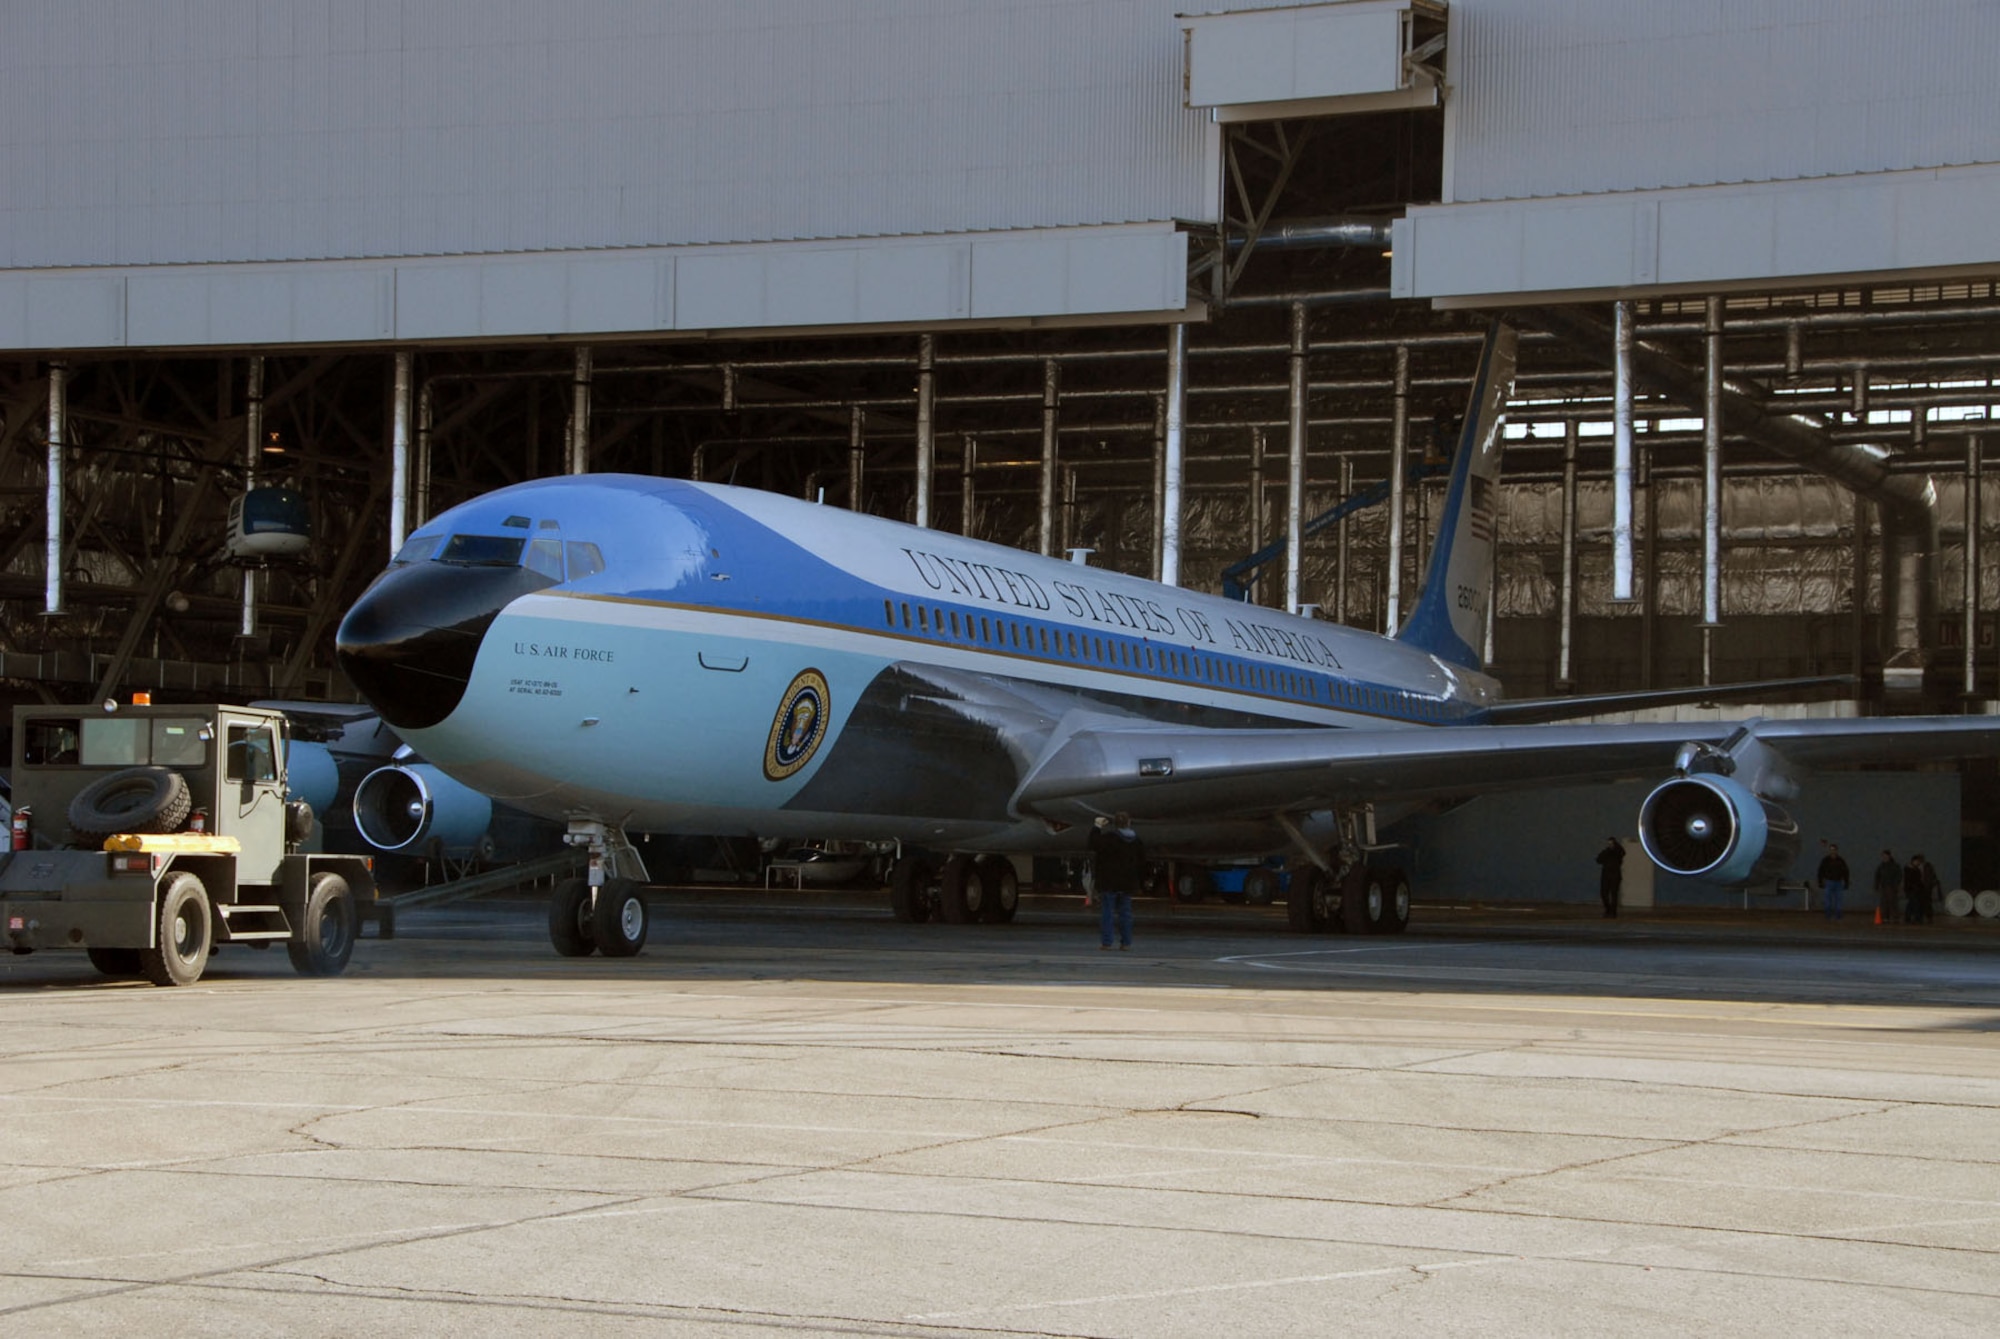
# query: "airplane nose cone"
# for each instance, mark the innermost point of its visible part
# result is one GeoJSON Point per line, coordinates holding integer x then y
{"type": "Point", "coordinates": [409, 642]}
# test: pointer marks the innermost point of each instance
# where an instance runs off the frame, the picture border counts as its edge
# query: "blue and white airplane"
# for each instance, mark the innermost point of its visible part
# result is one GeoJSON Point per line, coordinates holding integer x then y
{"type": "Point", "coordinates": [619, 652]}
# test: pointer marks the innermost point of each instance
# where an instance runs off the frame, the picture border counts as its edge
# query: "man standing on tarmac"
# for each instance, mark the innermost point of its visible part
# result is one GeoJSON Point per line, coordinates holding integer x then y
{"type": "Point", "coordinates": [1117, 863]}
{"type": "Point", "coordinates": [1611, 873]}
{"type": "Point", "coordinates": [1832, 880]}
{"type": "Point", "coordinates": [1888, 883]}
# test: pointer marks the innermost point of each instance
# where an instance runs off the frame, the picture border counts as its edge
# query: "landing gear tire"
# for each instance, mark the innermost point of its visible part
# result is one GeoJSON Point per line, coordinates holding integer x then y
{"type": "Point", "coordinates": [1000, 890]}
{"type": "Point", "coordinates": [619, 922]}
{"type": "Point", "coordinates": [186, 935]}
{"type": "Point", "coordinates": [1260, 887]}
{"type": "Point", "coordinates": [327, 937]}
{"type": "Point", "coordinates": [1302, 907]}
{"type": "Point", "coordinates": [570, 927]}
{"type": "Point", "coordinates": [1391, 914]}
{"type": "Point", "coordinates": [910, 891]}
{"type": "Point", "coordinates": [960, 898]}
{"type": "Point", "coordinates": [118, 962]}
{"type": "Point", "coordinates": [1361, 890]}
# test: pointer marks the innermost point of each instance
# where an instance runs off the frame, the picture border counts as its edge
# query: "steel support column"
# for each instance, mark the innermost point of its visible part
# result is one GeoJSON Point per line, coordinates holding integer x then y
{"type": "Point", "coordinates": [857, 449]}
{"type": "Point", "coordinates": [1046, 526]}
{"type": "Point", "coordinates": [399, 454]}
{"type": "Point", "coordinates": [420, 487]}
{"type": "Point", "coordinates": [1711, 490]}
{"type": "Point", "coordinates": [968, 461]}
{"type": "Point", "coordinates": [1159, 482]}
{"type": "Point", "coordinates": [58, 442]}
{"type": "Point", "coordinates": [253, 447]}
{"type": "Point", "coordinates": [1399, 469]}
{"type": "Point", "coordinates": [579, 413]}
{"type": "Point", "coordinates": [926, 433]}
{"type": "Point", "coordinates": [1621, 451]}
{"type": "Point", "coordinates": [1566, 608]}
{"type": "Point", "coordinates": [1344, 543]}
{"type": "Point", "coordinates": [1174, 459]}
{"type": "Point", "coordinates": [1256, 488]}
{"type": "Point", "coordinates": [1295, 466]}
{"type": "Point", "coordinates": [1974, 469]}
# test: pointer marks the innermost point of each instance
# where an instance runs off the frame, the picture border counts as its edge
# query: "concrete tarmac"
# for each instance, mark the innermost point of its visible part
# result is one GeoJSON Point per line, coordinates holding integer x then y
{"type": "Point", "coordinates": [791, 1115]}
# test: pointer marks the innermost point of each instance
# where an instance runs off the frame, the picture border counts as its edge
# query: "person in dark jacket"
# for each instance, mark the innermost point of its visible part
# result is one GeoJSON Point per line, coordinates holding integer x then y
{"type": "Point", "coordinates": [1117, 864]}
{"type": "Point", "coordinates": [1833, 878]}
{"type": "Point", "coordinates": [1919, 882]}
{"type": "Point", "coordinates": [1610, 875]}
{"type": "Point", "coordinates": [1888, 883]}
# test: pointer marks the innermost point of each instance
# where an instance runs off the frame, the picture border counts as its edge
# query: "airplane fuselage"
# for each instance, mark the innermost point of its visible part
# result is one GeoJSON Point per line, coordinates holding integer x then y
{"type": "Point", "coordinates": [749, 663]}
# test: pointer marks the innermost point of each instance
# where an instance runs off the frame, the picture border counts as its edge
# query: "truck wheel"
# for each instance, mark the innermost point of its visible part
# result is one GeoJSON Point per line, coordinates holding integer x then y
{"type": "Point", "coordinates": [131, 799]}
{"type": "Point", "coordinates": [1192, 884]}
{"type": "Point", "coordinates": [1260, 887]}
{"type": "Point", "coordinates": [187, 932]}
{"type": "Point", "coordinates": [620, 919]}
{"type": "Point", "coordinates": [570, 929]}
{"type": "Point", "coordinates": [326, 939]}
{"type": "Point", "coordinates": [115, 961]}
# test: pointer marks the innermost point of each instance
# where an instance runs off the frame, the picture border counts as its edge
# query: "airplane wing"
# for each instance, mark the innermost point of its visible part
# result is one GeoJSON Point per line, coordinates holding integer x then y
{"type": "Point", "coordinates": [1164, 773]}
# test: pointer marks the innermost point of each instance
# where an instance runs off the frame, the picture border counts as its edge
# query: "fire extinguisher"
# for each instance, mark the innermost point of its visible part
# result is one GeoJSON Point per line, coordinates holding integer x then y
{"type": "Point", "coordinates": [20, 828]}
{"type": "Point", "coordinates": [198, 821]}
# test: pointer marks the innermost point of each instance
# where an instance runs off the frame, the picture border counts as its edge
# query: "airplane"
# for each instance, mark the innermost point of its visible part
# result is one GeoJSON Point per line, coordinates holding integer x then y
{"type": "Point", "coordinates": [624, 652]}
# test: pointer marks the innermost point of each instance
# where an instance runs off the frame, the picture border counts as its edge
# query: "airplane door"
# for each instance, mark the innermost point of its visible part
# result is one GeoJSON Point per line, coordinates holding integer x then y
{"type": "Point", "coordinates": [253, 797]}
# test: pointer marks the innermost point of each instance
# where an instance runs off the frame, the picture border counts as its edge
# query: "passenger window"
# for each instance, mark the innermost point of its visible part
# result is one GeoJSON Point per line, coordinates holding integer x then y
{"type": "Point", "coordinates": [923, 620]}
{"type": "Point", "coordinates": [954, 622]}
{"type": "Point", "coordinates": [50, 743]}
{"type": "Point", "coordinates": [546, 556]}
{"type": "Point", "coordinates": [985, 629]}
{"type": "Point", "coordinates": [906, 615]}
{"type": "Point", "coordinates": [585, 559]}
{"type": "Point", "coordinates": [1014, 635]}
{"type": "Point", "coordinates": [114, 741]}
{"type": "Point", "coordinates": [888, 614]}
{"type": "Point", "coordinates": [178, 744]}
{"type": "Point", "coordinates": [252, 755]}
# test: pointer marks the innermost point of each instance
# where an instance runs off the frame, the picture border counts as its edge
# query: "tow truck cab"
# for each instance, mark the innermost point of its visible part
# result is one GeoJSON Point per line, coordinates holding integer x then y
{"type": "Point", "coordinates": [147, 835]}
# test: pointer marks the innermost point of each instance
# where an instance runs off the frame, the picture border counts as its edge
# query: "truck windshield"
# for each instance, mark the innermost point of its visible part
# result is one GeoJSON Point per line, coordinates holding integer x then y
{"type": "Point", "coordinates": [482, 551]}
{"type": "Point", "coordinates": [126, 741]}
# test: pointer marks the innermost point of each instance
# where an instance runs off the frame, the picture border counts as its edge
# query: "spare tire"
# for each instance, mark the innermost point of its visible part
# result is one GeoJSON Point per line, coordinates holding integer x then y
{"type": "Point", "coordinates": [131, 799]}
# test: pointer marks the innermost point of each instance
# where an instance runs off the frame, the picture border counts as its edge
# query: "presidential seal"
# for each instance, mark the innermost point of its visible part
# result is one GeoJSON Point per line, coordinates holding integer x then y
{"type": "Point", "coordinates": [799, 726]}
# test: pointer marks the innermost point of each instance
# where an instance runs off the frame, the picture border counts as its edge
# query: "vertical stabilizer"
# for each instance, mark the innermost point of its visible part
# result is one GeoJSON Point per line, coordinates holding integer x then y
{"type": "Point", "coordinates": [1449, 619]}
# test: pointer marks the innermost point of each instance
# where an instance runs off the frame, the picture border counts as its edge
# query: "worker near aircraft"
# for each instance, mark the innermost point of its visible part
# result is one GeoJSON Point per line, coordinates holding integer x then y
{"type": "Point", "coordinates": [1117, 863]}
{"type": "Point", "coordinates": [1611, 873]}
{"type": "Point", "coordinates": [1833, 876]}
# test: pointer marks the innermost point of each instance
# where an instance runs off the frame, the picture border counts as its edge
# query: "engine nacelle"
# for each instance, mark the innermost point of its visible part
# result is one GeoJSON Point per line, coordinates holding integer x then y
{"type": "Point", "coordinates": [311, 775]}
{"type": "Point", "coordinates": [1712, 827]}
{"type": "Point", "coordinates": [408, 807]}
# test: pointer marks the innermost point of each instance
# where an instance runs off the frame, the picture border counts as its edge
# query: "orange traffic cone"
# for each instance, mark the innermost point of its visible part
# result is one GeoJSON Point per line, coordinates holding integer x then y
{"type": "Point", "coordinates": [1878, 915]}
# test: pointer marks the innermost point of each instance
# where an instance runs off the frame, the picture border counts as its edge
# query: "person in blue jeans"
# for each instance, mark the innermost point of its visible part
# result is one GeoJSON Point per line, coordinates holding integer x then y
{"type": "Point", "coordinates": [1117, 864]}
{"type": "Point", "coordinates": [1833, 878]}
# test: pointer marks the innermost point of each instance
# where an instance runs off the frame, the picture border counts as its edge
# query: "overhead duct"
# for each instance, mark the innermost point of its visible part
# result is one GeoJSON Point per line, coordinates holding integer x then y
{"type": "Point", "coordinates": [1300, 234]}
{"type": "Point", "coordinates": [1906, 503]}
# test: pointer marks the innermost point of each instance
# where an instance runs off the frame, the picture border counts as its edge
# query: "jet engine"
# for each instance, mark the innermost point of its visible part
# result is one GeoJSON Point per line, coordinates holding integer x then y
{"type": "Point", "coordinates": [418, 810]}
{"type": "Point", "coordinates": [311, 774]}
{"type": "Point", "coordinates": [1712, 827]}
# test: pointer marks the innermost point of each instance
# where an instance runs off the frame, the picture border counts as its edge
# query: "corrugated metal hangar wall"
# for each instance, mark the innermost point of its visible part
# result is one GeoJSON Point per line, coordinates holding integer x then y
{"type": "Point", "coordinates": [929, 258]}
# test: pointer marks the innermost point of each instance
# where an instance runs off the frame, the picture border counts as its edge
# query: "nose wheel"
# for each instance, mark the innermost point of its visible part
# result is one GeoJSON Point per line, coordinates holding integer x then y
{"type": "Point", "coordinates": [605, 912]}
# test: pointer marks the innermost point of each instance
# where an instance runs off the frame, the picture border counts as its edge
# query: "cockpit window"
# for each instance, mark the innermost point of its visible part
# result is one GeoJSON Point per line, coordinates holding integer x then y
{"type": "Point", "coordinates": [482, 551]}
{"type": "Point", "coordinates": [584, 560]}
{"type": "Point", "coordinates": [546, 556]}
{"type": "Point", "coordinates": [415, 551]}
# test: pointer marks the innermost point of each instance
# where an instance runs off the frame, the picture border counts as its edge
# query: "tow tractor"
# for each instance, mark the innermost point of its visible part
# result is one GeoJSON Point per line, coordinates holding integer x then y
{"type": "Point", "coordinates": [147, 836]}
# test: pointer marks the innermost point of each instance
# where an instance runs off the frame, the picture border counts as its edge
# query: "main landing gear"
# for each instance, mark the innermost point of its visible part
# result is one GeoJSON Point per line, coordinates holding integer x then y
{"type": "Point", "coordinates": [1340, 894]}
{"type": "Point", "coordinates": [959, 891]}
{"type": "Point", "coordinates": [605, 910]}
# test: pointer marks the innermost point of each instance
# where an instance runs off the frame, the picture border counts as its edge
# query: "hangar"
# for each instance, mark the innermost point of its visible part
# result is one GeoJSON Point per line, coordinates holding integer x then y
{"type": "Point", "coordinates": [1066, 274]}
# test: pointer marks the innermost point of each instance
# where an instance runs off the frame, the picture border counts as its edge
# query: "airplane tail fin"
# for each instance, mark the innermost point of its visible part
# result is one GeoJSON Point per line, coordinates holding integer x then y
{"type": "Point", "coordinates": [1449, 618]}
